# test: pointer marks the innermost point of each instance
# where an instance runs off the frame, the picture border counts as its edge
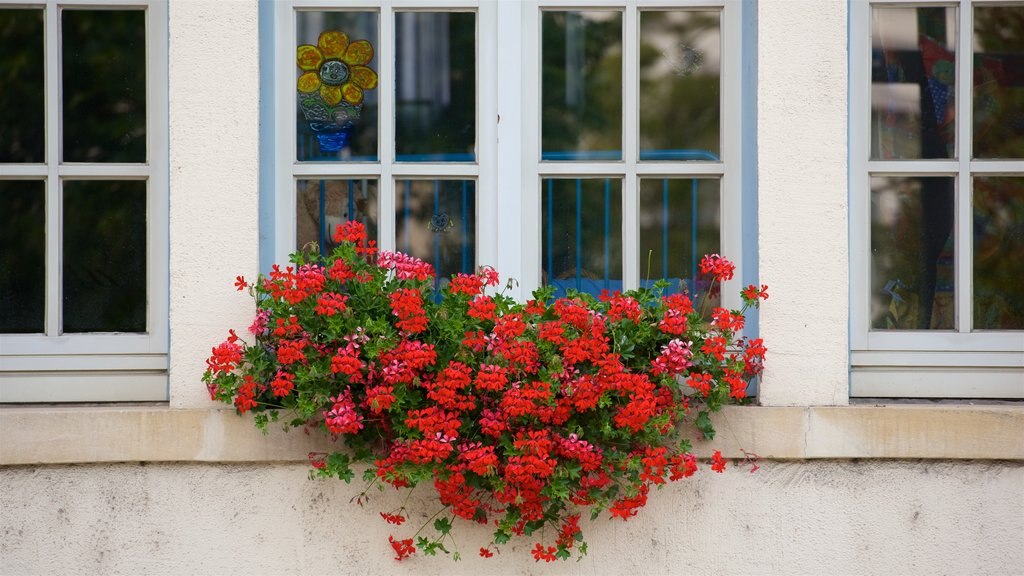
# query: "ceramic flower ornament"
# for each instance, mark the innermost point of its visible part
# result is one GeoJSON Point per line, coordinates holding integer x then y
{"type": "Point", "coordinates": [331, 87]}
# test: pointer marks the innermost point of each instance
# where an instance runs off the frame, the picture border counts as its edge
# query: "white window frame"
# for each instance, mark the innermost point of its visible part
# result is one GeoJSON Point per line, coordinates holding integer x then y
{"type": "Point", "coordinates": [922, 363]}
{"type": "Point", "coordinates": [86, 367]}
{"type": "Point", "coordinates": [508, 171]}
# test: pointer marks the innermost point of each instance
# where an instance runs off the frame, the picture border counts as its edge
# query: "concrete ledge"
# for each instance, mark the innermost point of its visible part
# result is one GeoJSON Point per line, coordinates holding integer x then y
{"type": "Point", "coordinates": [62, 435]}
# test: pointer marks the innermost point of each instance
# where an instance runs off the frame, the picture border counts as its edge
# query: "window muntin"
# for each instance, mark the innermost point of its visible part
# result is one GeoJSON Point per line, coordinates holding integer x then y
{"type": "Point", "coordinates": [922, 204]}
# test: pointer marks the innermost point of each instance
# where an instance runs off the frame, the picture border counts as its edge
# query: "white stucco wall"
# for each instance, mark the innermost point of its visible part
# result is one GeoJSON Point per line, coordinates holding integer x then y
{"type": "Point", "coordinates": [214, 194]}
{"type": "Point", "coordinates": [787, 518]}
{"type": "Point", "coordinates": [802, 200]}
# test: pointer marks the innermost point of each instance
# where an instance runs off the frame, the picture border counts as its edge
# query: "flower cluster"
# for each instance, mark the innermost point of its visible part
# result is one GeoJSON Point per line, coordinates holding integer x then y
{"type": "Point", "coordinates": [520, 416]}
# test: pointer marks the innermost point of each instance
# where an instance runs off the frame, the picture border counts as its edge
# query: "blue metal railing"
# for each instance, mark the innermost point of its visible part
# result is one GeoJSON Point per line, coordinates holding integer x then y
{"type": "Point", "coordinates": [578, 281]}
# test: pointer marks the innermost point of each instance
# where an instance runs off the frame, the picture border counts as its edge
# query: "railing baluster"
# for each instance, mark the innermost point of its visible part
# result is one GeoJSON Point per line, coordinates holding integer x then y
{"type": "Point", "coordinates": [323, 217]}
{"type": "Point", "coordinates": [437, 236]}
{"type": "Point", "coordinates": [693, 240]}
{"type": "Point", "coordinates": [579, 234]}
{"type": "Point", "coordinates": [464, 243]}
{"type": "Point", "coordinates": [607, 226]}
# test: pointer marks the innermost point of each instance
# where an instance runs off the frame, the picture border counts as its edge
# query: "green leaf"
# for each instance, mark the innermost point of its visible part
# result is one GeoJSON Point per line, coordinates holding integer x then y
{"type": "Point", "coordinates": [501, 537]}
{"type": "Point", "coordinates": [443, 525]}
{"type": "Point", "coordinates": [705, 426]}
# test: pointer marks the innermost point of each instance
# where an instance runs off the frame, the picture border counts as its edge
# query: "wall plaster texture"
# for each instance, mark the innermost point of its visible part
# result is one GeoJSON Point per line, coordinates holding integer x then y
{"type": "Point", "coordinates": [802, 200]}
{"type": "Point", "coordinates": [214, 222]}
{"type": "Point", "coordinates": [836, 517]}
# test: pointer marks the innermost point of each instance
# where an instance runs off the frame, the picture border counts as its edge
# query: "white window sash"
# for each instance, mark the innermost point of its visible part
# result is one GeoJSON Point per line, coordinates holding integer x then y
{"type": "Point", "coordinates": [96, 366]}
{"type": "Point", "coordinates": [929, 363]}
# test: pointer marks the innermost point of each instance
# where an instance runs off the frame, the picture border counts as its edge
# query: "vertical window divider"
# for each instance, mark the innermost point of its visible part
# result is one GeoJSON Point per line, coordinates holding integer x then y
{"type": "Point", "coordinates": [285, 100]}
{"type": "Point", "coordinates": [487, 251]}
{"type": "Point", "coordinates": [630, 147]}
{"type": "Point", "coordinates": [962, 240]}
{"type": "Point", "coordinates": [53, 158]}
{"type": "Point", "coordinates": [386, 118]}
{"type": "Point", "coordinates": [730, 189]}
{"type": "Point", "coordinates": [532, 168]}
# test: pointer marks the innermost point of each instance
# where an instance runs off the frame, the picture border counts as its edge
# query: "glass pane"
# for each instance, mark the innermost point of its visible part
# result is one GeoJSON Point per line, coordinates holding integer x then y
{"type": "Point", "coordinates": [680, 222]}
{"type": "Point", "coordinates": [104, 85]}
{"type": "Point", "coordinates": [323, 204]}
{"type": "Point", "coordinates": [336, 83]}
{"type": "Point", "coordinates": [998, 250]}
{"type": "Point", "coordinates": [581, 96]}
{"type": "Point", "coordinates": [912, 253]}
{"type": "Point", "coordinates": [582, 234]}
{"type": "Point", "coordinates": [104, 259]}
{"type": "Point", "coordinates": [913, 84]}
{"type": "Point", "coordinates": [680, 82]}
{"type": "Point", "coordinates": [999, 81]}
{"type": "Point", "coordinates": [22, 256]}
{"type": "Point", "coordinates": [22, 98]}
{"type": "Point", "coordinates": [435, 220]}
{"type": "Point", "coordinates": [435, 92]}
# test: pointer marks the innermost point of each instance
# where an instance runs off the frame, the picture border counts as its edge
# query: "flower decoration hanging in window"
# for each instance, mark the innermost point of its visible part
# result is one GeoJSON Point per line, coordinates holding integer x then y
{"type": "Point", "coordinates": [335, 75]}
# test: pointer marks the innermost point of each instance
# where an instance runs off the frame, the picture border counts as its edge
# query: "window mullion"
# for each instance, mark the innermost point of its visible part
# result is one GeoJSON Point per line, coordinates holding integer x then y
{"type": "Point", "coordinates": [53, 196]}
{"type": "Point", "coordinates": [630, 148]}
{"type": "Point", "coordinates": [386, 186]}
{"type": "Point", "coordinates": [962, 253]}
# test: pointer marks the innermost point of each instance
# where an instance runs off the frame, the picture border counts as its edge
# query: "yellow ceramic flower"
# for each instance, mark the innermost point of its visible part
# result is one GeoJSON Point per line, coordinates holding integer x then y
{"type": "Point", "coordinates": [336, 68]}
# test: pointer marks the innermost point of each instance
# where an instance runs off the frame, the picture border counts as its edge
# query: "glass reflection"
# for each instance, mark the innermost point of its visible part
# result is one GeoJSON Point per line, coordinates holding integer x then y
{"type": "Point", "coordinates": [104, 256]}
{"type": "Point", "coordinates": [361, 138]}
{"type": "Point", "coordinates": [321, 205]}
{"type": "Point", "coordinates": [680, 80]}
{"type": "Point", "coordinates": [912, 265]}
{"type": "Point", "coordinates": [103, 70]}
{"type": "Point", "coordinates": [680, 222]}
{"type": "Point", "coordinates": [913, 88]}
{"type": "Point", "coordinates": [581, 92]}
{"type": "Point", "coordinates": [582, 234]}
{"type": "Point", "coordinates": [22, 99]}
{"type": "Point", "coordinates": [22, 256]}
{"type": "Point", "coordinates": [435, 91]}
{"type": "Point", "coordinates": [998, 221]}
{"type": "Point", "coordinates": [435, 220]}
{"type": "Point", "coordinates": [999, 81]}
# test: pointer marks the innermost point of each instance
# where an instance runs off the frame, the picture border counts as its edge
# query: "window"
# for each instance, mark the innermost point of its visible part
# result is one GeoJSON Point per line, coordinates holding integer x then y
{"type": "Point", "coordinates": [83, 224]}
{"type": "Point", "coordinates": [399, 147]}
{"type": "Point", "coordinates": [937, 199]}
{"type": "Point", "coordinates": [591, 149]}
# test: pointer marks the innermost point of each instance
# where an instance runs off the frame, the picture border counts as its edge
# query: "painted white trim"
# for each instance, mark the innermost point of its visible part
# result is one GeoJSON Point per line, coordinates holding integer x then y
{"type": "Point", "coordinates": [44, 367]}
{"type": "Point", "coordinates": [937, 382]}
{"type": "Point", "coordinates": [82, 386]}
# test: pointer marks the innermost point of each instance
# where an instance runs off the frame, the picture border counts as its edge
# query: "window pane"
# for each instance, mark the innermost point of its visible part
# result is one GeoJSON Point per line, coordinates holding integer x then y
{"type": "Point", "coordinates": [680, 222]}
{"type": "Point", "coordinates": [336, 83]}
{"type": "Point", "coordinates": [680, 81]}
{"type": "Point", "coordinates": [913, 84]}
{"type": "Point", "coordinates": [435, 92]}
{"type": "Point", "coordinates": [912, 253]}
{"type": "Point", "coordinates": [999, 81]}
{"type": "Point", "coordinates": [104, 259]}
{"type": "Point", "coordinates": [22, 99]}
{"type": "Point", "coordinates": [581, 101]}
{"type": "Point", "coordinates": [582, 234]}
{"type": "Point", "coordinates": [104, 85]}
{"type": "Point", "coordinates": [998, 251]}
{"type": "Point", "coordinates": [22, 256]}
{"type": "Point", "coordinates": [435, 220]}
{"type": "Point", "coordinates": [323, 204]}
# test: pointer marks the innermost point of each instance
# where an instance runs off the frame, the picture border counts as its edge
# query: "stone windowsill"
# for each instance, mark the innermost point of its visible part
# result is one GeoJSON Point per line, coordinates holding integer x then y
{"type": "Point", "coordinates": [31, 435]}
